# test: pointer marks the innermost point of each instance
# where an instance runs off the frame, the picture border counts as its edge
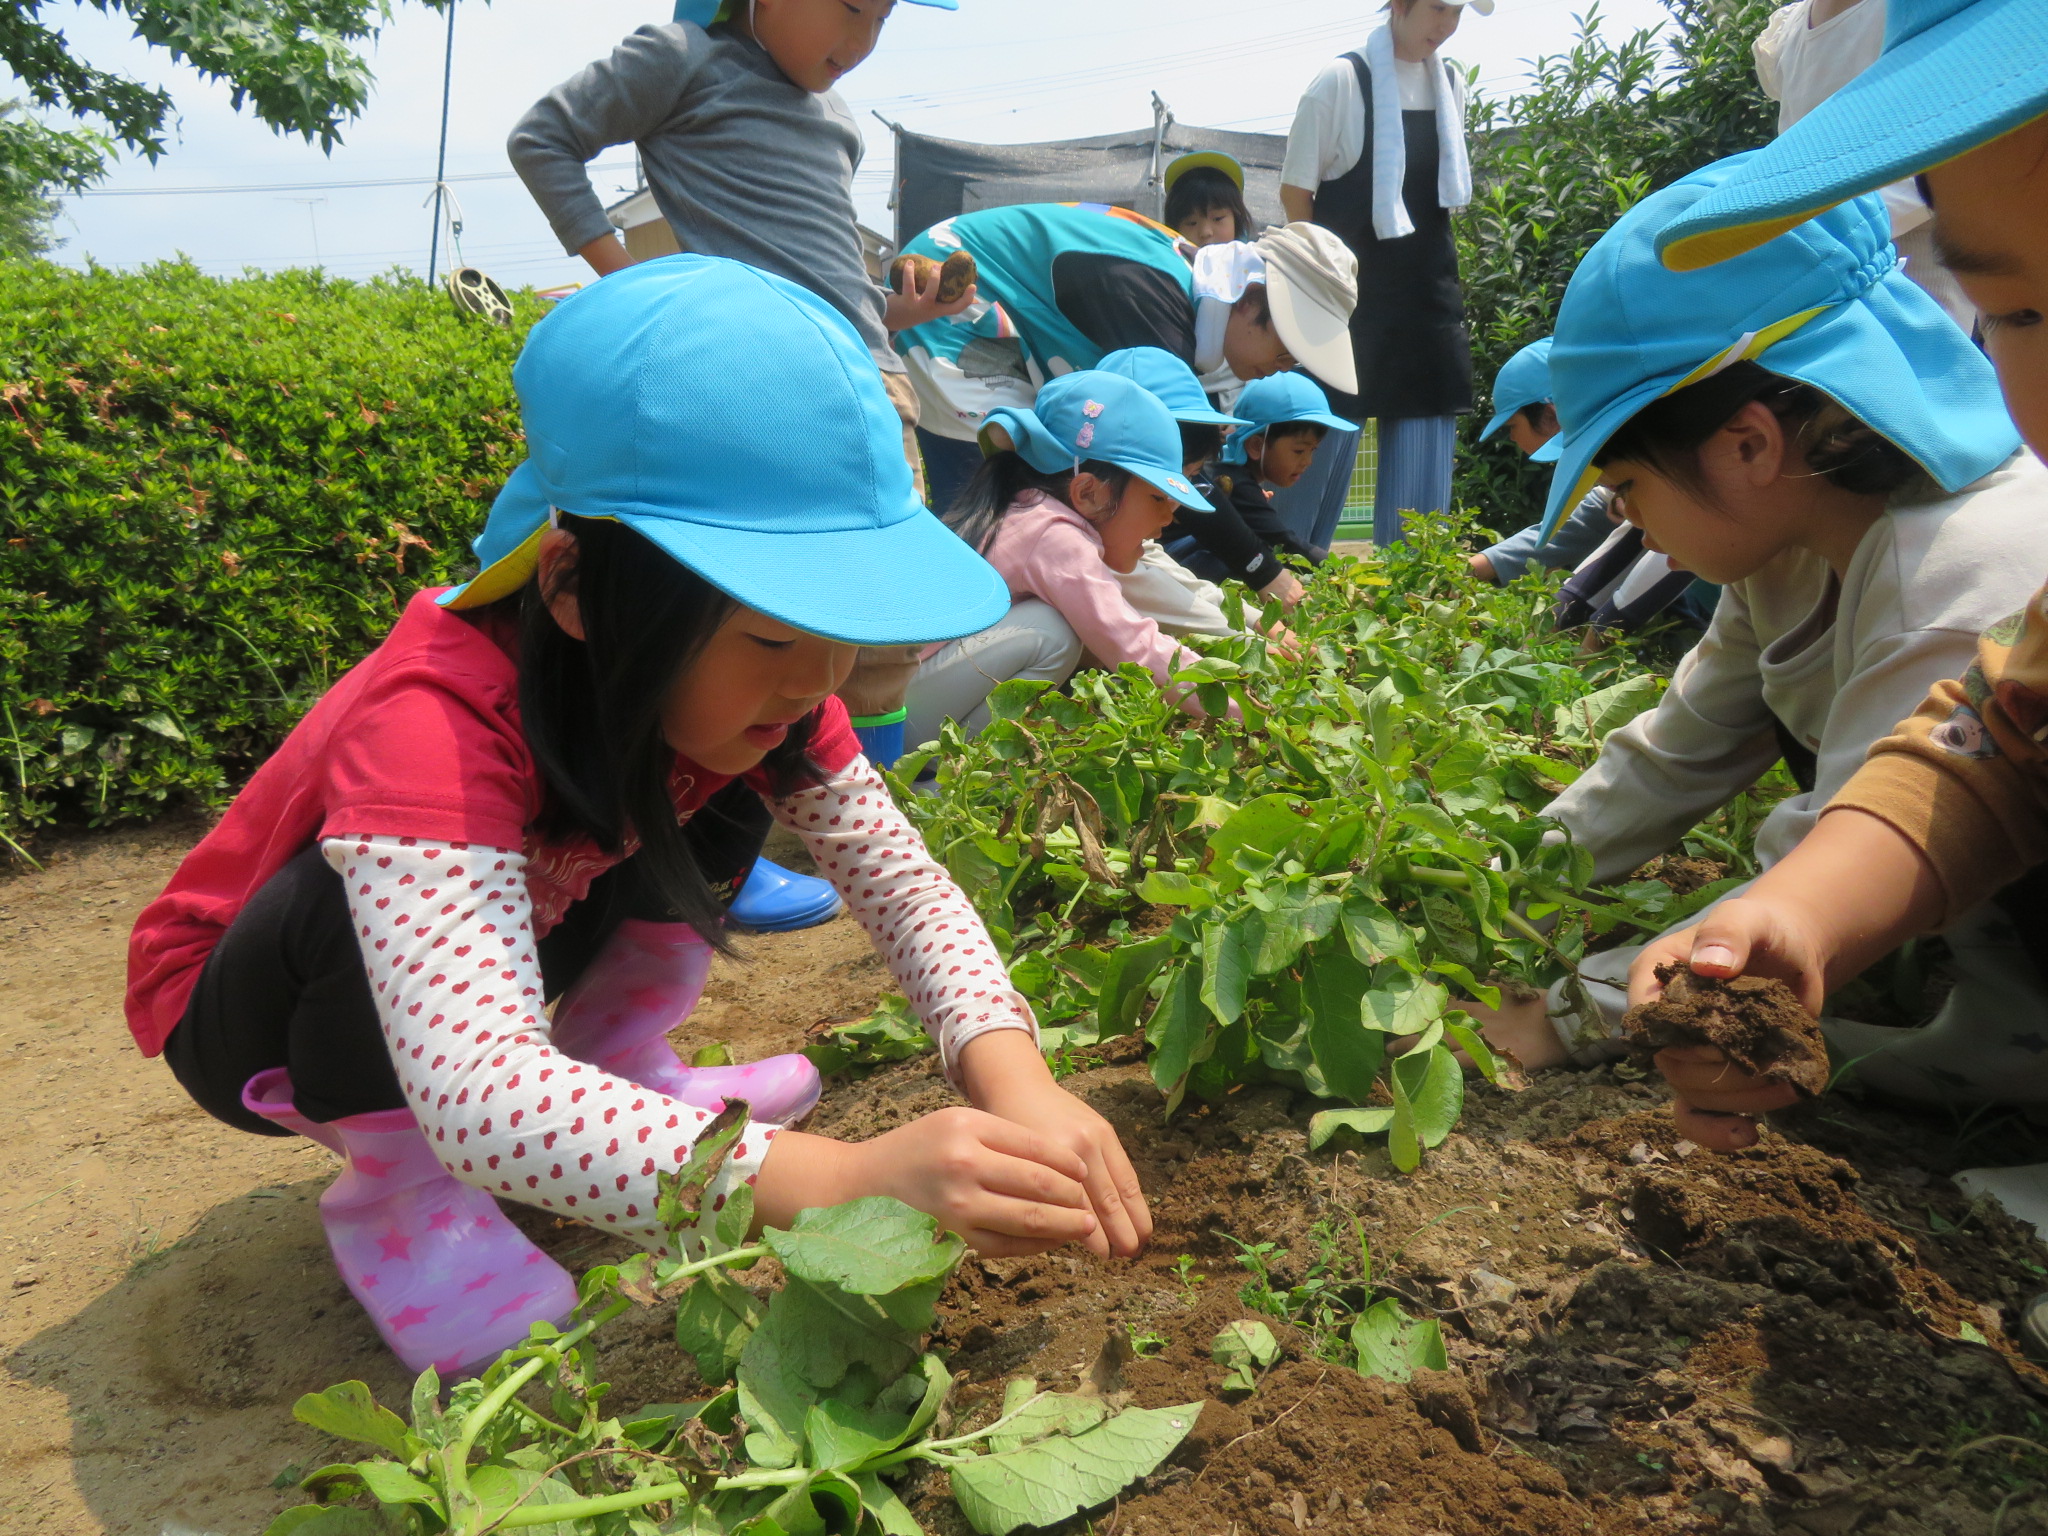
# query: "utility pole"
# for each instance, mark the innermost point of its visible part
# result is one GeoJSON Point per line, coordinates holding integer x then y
{"type": "Point", "coordinates": [312, 219]}
{"type": "Point", "coordinates": [441, 160]}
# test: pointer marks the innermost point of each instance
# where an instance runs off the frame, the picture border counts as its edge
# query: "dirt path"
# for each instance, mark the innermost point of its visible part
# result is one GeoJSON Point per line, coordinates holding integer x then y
{"type": "Point", "coordinates": [165, 1292]}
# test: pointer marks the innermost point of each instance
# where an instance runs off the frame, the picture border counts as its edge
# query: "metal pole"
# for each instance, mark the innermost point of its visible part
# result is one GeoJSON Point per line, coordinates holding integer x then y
{"type": "Point", "coordinates": [441, 160]}
{"type": "Point", "coordinates": [1162, 115]}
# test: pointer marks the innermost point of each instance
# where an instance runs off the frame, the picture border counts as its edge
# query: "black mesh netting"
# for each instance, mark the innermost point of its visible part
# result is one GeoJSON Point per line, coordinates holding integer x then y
{"type": "Point", "coordinates": [937, 178]}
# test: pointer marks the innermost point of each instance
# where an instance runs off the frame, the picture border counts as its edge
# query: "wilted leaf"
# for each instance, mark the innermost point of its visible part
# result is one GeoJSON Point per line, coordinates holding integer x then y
{"type": "Point", "coordinates": [1243, 1349]}
{"type": "Point", "coordinates": [1396, 1346]}
{"type": "Point", "coordinates": [1054, 1478]}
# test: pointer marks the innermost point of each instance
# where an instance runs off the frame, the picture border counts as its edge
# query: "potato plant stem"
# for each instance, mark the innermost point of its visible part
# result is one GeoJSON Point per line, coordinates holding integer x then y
{"type": "Point", "coordinates": [640, 1498]}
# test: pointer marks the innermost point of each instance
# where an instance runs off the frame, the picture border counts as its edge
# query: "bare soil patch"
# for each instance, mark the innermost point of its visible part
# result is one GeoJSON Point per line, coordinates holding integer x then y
{"type": "Point", "coordinates": [1808, 1337]}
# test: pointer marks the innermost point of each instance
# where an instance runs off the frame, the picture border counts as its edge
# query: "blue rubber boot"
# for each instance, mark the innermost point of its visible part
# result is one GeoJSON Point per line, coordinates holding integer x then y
{"type": "Point", "coordinates": [777, 900]}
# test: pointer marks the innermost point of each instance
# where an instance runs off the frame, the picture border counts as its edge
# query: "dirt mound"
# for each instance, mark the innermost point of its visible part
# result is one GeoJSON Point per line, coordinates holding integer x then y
{"type": "Point", "coordinates": [1754, 1021]}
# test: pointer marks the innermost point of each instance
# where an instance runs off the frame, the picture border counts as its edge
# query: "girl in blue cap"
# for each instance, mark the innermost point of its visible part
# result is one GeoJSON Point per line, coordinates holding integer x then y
{"type": "Point", "coordinates": [1160, 586]}
{"type": "Point", "coordinates": [1066, 499]}
{"type": "Point", "coordinates": [1805, 426]}
{"type": "Point", "coordinates": [490, 812]}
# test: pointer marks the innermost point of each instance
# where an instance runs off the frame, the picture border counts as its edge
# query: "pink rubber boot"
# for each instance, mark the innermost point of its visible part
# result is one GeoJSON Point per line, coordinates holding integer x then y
{"type": "Point", "coordinates": [448, 1281]}
{"type": "Point", "coordinates": [644, 982]}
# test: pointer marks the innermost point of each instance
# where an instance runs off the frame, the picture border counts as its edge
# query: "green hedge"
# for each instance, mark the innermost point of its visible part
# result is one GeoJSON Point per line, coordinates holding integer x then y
{"type": "Point", "coordinates": [216, 495]}
{"type": "Point", "coordinates": [1589, 134]}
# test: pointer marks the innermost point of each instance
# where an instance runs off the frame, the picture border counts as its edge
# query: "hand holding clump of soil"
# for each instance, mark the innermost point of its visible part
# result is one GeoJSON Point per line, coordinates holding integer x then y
{"type": "Point", "coordinates": [1730, 1049]}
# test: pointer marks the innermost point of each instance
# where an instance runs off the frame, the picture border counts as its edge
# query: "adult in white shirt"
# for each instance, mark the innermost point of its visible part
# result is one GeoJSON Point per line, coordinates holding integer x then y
{"type": "Point", "coordinates": [1808, 51]}
{"type": "Point", "coordinates": [1377, 155]}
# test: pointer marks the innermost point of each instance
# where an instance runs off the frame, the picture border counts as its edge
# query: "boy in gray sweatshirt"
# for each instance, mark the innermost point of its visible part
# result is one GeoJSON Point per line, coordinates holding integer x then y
{"type": "Point", "coordinates": [750, 154]}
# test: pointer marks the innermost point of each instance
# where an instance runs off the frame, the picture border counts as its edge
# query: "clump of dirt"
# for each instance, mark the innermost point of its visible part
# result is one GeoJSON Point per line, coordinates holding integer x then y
{"type": "Point", "coordinates": [1754, 1021]}
{"type": "Point", "coordinates": [1682, 874]}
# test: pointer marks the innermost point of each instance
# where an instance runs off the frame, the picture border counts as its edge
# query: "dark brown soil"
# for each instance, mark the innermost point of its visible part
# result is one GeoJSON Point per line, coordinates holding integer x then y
{"type": "Point", "coordinates": [1810, 1337]}
{"type": "Point", "coordinates": [1754, 1021]}
{"type": "Point", "coordinates": [1643, 1336]}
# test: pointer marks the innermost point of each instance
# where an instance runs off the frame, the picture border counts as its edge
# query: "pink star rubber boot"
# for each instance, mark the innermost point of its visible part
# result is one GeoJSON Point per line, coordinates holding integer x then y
{"type": "Point", "coordinates": [448, 1281]}
{"type": "Point", "coordinates": [643, 983]}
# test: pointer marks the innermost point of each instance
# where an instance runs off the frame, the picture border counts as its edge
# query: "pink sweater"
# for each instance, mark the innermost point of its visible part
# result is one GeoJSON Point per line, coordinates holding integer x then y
{"type": "Point", "coordinates": [1045, 549]}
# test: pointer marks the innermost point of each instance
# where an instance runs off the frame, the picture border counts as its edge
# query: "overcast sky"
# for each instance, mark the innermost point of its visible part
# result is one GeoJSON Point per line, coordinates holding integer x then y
{"type": "Point", "coordinates": [996, 70]}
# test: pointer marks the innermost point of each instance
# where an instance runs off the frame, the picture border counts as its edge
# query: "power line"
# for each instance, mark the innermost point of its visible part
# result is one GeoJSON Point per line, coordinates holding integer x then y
{"type": "Point", "coordinates": [319, 186]}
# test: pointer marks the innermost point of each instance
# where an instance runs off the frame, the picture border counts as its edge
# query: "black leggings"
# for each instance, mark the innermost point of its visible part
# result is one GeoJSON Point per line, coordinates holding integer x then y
{"type": "Point", "coordinates": [286, 987]}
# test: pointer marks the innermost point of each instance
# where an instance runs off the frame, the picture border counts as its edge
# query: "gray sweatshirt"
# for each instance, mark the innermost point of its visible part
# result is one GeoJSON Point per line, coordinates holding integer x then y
{"type": "Point", "coordinates": [741, 161]}
{"type": "Point", "coordinates": [1840, 663]}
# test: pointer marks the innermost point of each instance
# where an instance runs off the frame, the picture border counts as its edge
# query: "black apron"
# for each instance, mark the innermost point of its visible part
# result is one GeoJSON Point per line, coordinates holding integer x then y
{"type": "Point", "coordinates": [1408, 333]}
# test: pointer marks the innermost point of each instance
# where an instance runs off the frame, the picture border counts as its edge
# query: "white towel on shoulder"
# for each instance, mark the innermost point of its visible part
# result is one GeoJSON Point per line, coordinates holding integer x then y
{"type": "Point", "coordinates": [1390, 219]}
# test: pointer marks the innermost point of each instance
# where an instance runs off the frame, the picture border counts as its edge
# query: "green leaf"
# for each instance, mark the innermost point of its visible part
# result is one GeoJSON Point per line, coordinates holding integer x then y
{"type": "Point", "coordinates": [1265, 825]}
{"type": "Point", "coordinates": [1165, 888]}
{"type": "Point", "coordinates": [714, 1319]}
{"type": "Point", "coordinates": [1405, 1009]}
{"type": "Point", "coordinates": [162, 724]}
{"type": "Point", "coordinates": [1180, 1027]}
{"type": "Point", "coordinates": [1366, 1122]}
{"type": "Point", "coordinates": [390, 1483]}
{"type": "Point", "coordinates": [870, 1246]}
{"type": "Point", "coordinates": [879, 1499]}
{"type": "Point", "coordinates": [1243, 1349]}
{"type": "Point", "coordinates": [1429, 1091]}
{"type": "Point", "coordinates": [839, 1435]}
{"type": "Point", "coordinates": [1375, 935]}
{"type": "Point", "coordinates": [1010, 699]}
{"type": "Point", "coordinates": [1226, 970]}
{"type": "Point", "coordinates": [735, 1222]}
{"type": "Point", "coordinates": [1467, 1038]}
{"type": "Point", "coordinates": [1130, 972]}
{"type": "Point", "coordinates": [1591, 718]}
{"type": "Point", "coordinates": [348, 1412]}
{"type": "Point", "coordinates": [1055, 1478]}
{"type": "Point", "coordinates": [1039, 1414]}
{"type": "Point", "coordinates": [1348, 1054]}
{"type": "Point", "coordinates": [1396, 1346]}
{"type": "Point", "coordinates": [498, 1488]}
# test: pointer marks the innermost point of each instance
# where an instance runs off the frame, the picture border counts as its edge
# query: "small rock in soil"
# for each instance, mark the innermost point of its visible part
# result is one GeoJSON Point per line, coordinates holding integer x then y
{"type": "Point", "coordinates": [1753, 1020]}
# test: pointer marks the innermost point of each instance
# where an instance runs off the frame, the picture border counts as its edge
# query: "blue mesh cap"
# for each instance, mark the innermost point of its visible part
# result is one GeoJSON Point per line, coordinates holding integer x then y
{"type": "Point", "coordinates": [737, 422]}
{"type": "Point", "coordinates": [1276, 399]}
{"type": "Point", "coordinates": [1173, 382]}
{"type": "Point", "coordinates": [705, 12]}
{"type": "Point", "coordinates": [1524, 379]}
{"type": "Point", "coordinates": [1954, 74]}
{"type": "Point", "coordinates": [1102, 416]}
{"type": "Point", "coordinates": [1826, 303]}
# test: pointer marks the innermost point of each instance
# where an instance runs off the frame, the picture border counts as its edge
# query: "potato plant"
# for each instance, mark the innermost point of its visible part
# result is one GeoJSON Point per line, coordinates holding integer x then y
{"type": "Point", "coordinates": [1280, 895]}
{"type": "Point", "coordinates": [822, 1393]}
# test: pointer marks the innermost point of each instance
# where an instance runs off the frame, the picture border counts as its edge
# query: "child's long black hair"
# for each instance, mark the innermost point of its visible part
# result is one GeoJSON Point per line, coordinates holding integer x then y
{"type": "Point", "coordinates": [592, 708]}
{"type": "Point", "coordinates": [977, 512]}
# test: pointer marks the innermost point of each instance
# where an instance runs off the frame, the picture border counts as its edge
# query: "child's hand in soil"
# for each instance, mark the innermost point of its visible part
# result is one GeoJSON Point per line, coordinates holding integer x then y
{"type": "Point", "coordinates": [1716, 1103]}
{"type": "Point", "coordinates": [1744, 936]}
{"type": "Point", "coordinates": [1006, 1189]}
{"type": "Point", "coordinates": [1004, 1074]}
